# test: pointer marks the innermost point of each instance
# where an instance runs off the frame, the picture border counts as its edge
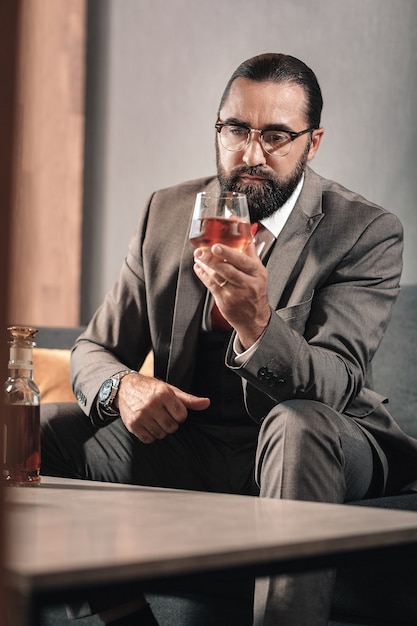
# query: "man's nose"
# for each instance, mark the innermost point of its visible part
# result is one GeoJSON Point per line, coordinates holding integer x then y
{"type": "Point", "coordinates": [254, 153]}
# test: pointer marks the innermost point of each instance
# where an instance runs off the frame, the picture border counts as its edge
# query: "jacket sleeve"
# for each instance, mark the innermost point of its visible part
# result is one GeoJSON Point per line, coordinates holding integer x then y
{"type": "Point", "coordinates": [117, 337]}
{"type": "Point", "coordinates": [321, 348]}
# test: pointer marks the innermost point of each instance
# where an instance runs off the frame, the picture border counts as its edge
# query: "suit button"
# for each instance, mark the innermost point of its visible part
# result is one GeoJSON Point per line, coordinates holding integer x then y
{"type": "Point", "coordinates": [264, 373]}
{"type": "Point", "coordinates": [81, 398]}
{"type": "Point", "coordinates": [269, 377]}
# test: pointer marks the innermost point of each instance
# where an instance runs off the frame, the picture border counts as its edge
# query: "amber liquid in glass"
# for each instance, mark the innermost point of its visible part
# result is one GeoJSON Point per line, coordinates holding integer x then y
{"type": "Point", "coordinates": [231, 232]}
{"type": "Point", "coordinates": [21, 464]}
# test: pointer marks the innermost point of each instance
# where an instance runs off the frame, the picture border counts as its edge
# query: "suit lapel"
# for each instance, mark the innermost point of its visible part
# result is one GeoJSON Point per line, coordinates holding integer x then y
{"type": "Point", "coordinates": [189, 303]}
{"type": "Point", "coordinates": [188, 310]}
{"type": "Point", "coordinates": [290, 243]}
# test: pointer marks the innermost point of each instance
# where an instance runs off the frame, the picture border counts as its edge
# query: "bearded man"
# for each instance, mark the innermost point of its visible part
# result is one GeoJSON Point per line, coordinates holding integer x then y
{"type": "Point", "coordinates": [276, 401]}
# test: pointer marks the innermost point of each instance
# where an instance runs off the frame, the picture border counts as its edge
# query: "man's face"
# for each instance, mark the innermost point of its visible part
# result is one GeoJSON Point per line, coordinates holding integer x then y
{"type": "Point", "coordinates": [267, 180]}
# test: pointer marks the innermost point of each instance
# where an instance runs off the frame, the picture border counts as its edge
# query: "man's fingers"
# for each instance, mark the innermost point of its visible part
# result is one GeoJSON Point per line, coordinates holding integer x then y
{"type": "Point", "coordinates": [241, 261]}
{"type": "Point", "coordinates": [195, 403]}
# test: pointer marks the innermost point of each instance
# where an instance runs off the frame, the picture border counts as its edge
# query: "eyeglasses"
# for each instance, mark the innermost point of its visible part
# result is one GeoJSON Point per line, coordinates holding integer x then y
{"type": "Point", "coordinates": [276, 142]}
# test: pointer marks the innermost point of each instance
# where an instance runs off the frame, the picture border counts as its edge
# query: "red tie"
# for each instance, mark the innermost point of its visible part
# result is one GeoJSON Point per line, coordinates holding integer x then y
{"type": "Point", "coordinates": [218, 323]}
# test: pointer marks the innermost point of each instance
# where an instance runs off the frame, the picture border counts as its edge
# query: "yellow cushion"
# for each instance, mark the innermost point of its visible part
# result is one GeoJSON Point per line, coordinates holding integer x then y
{"type": "Point", "coordinates": [147, 367]}
{"type": "Point", "coordinates": [52, 373]}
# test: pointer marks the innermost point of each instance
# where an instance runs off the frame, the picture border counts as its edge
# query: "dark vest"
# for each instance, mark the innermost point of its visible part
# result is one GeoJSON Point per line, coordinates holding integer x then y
{"type": "Point", "coordinates": [214, 380]}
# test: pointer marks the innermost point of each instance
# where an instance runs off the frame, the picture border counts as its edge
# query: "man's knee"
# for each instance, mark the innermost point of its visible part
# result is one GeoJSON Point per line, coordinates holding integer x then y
{"type": "Point", "coordinates": [298, 451]}
{"type": "Point", "coordinates": [299, 419]}
{"type": "Point", "coordinates": [56, 410]}
{"type": "Point", "coordinates": [64, 429]}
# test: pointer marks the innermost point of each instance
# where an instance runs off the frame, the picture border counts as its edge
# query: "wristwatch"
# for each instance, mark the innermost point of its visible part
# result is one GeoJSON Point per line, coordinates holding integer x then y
{"type": "Point", "coordinates": [108, 392]}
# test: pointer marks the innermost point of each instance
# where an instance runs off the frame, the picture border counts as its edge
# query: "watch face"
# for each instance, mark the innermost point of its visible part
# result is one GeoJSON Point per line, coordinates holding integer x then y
{"type": "Point", "coordinates": [105, 391]}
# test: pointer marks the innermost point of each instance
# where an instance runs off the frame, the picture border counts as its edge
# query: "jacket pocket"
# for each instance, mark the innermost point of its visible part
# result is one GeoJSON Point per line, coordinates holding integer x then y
{"type": "Point", "coordinates": [365, 403]}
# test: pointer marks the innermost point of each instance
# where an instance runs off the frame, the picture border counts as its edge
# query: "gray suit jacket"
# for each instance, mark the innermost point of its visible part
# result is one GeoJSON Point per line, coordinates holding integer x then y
{"type": "Point", "coordinates": [334, 276]}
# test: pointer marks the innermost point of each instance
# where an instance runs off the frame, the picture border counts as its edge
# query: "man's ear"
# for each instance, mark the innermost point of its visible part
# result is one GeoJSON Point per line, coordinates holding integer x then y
{"type": "Point", "coordinates": [315, 142]}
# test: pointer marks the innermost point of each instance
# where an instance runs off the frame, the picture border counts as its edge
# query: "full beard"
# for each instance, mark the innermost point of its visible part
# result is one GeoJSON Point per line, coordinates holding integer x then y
{"type": "Point", "coordinates": [265, 198]}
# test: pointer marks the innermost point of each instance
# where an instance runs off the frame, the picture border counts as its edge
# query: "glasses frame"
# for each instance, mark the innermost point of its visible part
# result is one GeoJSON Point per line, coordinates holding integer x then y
{"type": "Point", "coordinates": [292, 135]}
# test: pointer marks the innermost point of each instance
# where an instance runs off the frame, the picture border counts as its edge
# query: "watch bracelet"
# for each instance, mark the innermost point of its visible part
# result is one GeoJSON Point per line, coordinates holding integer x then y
{"type": "Point", "coordinates": [108, 414]}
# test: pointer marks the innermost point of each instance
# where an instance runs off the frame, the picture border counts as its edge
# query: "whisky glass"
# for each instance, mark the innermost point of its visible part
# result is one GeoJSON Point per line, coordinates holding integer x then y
{"type": "Point", "coordinates": [221, 218]}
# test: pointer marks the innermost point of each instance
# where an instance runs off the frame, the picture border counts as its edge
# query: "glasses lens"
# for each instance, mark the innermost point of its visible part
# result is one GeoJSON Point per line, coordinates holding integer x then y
{"type": "Point", "coordinates": [234, 137]}
{"type": "Point", "coordinates": [276, 142]}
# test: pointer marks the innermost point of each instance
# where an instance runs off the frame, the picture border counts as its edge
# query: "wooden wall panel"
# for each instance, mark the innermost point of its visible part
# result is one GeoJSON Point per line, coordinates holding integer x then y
{"type": "Point", "coordinates": [9, 20]}
{"type": "Point", "coordinates": [47, 212]}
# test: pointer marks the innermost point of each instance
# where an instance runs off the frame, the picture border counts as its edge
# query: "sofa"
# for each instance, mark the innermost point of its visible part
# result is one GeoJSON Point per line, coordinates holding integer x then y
{"type": "Point", "coordinates": [375, 592]}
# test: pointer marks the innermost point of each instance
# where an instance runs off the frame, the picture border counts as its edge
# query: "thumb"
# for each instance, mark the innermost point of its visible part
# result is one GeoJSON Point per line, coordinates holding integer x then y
{"type": "Point", "coordinates": [196, 403]}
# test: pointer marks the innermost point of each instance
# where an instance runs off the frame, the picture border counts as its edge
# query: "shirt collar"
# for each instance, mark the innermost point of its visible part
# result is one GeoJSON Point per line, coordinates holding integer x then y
{"type": "Point", "coordinates": [277, 221]}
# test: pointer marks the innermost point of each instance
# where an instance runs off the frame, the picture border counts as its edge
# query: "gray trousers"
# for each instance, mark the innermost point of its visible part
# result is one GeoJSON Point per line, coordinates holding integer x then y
{"type": "Point", "coordinates": [303, 450]}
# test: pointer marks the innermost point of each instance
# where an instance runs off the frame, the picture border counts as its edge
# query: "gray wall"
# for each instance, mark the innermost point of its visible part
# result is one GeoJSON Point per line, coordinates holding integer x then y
{"type": "Point", "coordinates": [156, 70]}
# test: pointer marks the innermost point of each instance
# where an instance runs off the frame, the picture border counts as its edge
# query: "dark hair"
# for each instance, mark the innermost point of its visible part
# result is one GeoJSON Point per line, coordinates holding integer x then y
{"type": "Point", "coordinates": [282, 68]}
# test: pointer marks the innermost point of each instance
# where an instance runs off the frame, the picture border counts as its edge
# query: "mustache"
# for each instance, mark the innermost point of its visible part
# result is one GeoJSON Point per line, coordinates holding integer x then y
{"type": "Point", "coordinates": [255, 170]}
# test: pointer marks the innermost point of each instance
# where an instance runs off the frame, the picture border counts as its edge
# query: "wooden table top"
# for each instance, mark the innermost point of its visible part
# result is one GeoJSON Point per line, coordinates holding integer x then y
{"type": "Point", "coordinates": [69, 532]}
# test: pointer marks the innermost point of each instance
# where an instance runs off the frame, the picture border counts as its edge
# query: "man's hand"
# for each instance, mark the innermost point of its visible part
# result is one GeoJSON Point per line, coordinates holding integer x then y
{"type": "Point", "coordinates": [238, 282]}
{"type": "Point", "coordinates": [152, 409]}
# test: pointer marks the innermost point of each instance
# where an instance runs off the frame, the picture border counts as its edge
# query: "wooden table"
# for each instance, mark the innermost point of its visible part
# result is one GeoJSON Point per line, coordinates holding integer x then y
{"type": "Point", "coordinates": [68, 535]}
